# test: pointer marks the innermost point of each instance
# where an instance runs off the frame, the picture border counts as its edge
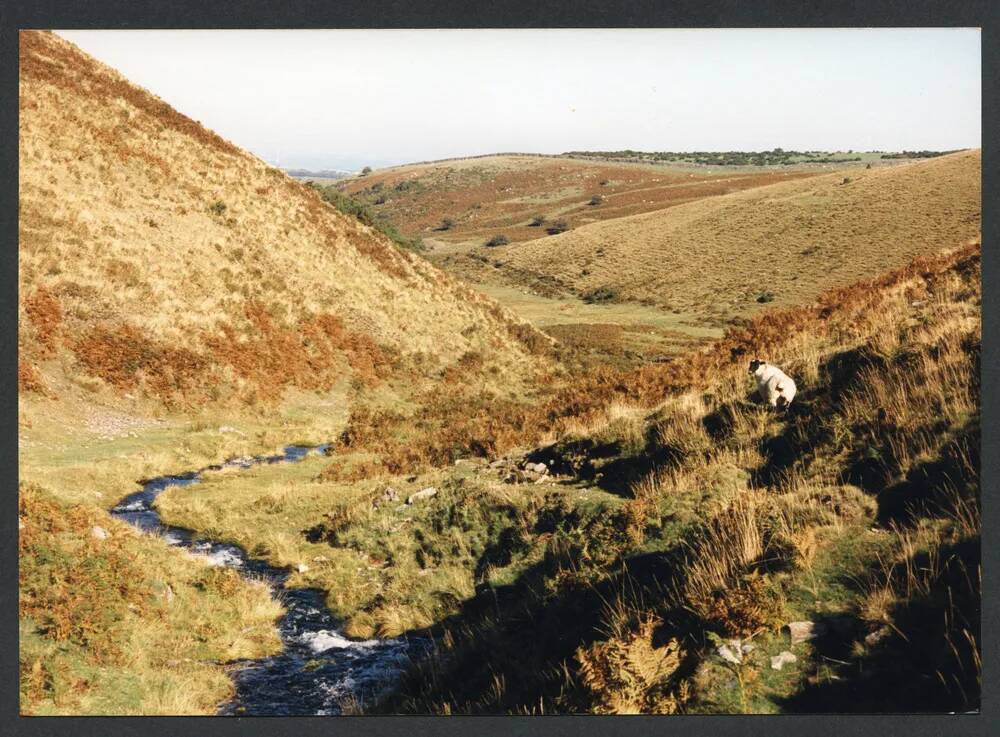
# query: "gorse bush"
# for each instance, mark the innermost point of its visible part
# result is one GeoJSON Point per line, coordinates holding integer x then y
{"type": "Point", "coordinates": [537, 221]}
{"type": "Point", "coordinates": [600, 294]}
{"type": "Point", "coordinates": [559, 226]}
{"type": "Point", "coordinates": [497, 240]}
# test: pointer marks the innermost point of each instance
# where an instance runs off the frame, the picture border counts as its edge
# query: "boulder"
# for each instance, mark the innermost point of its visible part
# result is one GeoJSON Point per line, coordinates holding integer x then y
{"type": "Point", "coordinates": [418, 496]}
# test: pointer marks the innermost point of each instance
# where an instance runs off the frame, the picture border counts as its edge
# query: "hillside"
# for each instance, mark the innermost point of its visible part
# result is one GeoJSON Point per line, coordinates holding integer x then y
{"type": "Point", "coordinates": [180, 303]}
{"type": "Point", "coordinates": [143, 233]}
{"type": "Point", "coordinates": [724, 257]}
{"type": "Point", "coordinates": [492, 195]}
{"type": "Point", "coordinates": [681, 538]}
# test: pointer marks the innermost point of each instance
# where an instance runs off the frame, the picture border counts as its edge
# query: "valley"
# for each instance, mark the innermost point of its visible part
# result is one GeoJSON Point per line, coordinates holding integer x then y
{"type": "Point", "coordinates": [329, 447]}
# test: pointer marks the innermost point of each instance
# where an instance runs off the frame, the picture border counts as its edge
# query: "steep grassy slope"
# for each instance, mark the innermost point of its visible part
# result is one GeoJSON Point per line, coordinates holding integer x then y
{"type": "Point", "coordinates": [725, 256]}
{"type": "Point", "coordinates": [182, 302]}
{"type": "Point", "coordinates": [487, 196]}
{"type": "Point", "coordinates": [160, 255]}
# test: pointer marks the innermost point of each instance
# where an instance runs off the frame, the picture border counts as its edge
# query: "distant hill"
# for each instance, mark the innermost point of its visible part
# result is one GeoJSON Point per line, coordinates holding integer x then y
{"type": "Point", "coordinates": [322, 174]}
{"type": "Point", "coordinates": [727, 256]}
{"type": "Point", "coordinates": [524, 197]}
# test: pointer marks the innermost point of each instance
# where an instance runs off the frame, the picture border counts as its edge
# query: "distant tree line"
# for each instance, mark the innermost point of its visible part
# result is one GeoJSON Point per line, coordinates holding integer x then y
{"type": "Point", "coordinates": [774, 157]}
{"type": "Point", "coordinates": [917, 154]}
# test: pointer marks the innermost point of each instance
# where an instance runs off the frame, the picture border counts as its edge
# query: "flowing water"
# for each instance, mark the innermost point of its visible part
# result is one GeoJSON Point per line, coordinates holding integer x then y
{"type": "Point", "coordinates": [319, 668]}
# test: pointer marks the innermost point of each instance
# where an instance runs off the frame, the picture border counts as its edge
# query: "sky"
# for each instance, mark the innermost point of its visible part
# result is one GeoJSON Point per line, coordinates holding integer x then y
{"type": "Point", "coordinates": [344, 99]}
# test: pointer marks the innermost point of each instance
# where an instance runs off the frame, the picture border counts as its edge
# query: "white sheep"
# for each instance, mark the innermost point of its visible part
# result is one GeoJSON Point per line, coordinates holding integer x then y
{"type": "Point", "coordinates": [774, 385]}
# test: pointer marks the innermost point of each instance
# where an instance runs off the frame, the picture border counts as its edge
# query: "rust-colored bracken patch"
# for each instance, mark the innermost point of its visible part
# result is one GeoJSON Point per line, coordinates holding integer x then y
{"type": "Point", "coordinates": [272, 356]}
{"type": "Point", "coordinates": [125, 358]}
{"type": "Point", "coordinates": [42, 309]}
{"type": "Point", "coordinates": [28, 378]}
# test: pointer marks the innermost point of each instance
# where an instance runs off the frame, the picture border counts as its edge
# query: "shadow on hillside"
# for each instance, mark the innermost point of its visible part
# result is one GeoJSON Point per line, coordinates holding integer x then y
{"type": "Point", "coordinates": [931, 669]}
{"type": "Point", "coordinates": [613, 466]}
{"type": "Point", "coordinates": [523, 636]}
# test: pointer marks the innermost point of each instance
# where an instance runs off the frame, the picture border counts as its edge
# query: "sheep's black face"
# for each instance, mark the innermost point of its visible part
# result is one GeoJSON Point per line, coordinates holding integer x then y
{"type": "Point", "coordinates": [754, 364]}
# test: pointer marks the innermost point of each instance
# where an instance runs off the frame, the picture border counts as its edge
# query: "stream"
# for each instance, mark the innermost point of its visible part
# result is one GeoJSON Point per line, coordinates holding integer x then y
{"type": "Point", "coordinates": [319, 668]}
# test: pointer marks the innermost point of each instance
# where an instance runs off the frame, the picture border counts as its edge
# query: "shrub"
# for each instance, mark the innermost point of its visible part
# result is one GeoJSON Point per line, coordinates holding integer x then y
{"type": "Point", "coordinates": [366, 170]}
{"type": "Point", "coordinates": [497, 240]}
{"type": "Point", "coordinates": [596, 200]}
{"type": "Point", "coordinates": [379, 221]}
{"type": "Point", "coordinates": [559, 226]}
{"type": "Point", "coordinates": [764, 297]}
{"type": "Point", "coordinates": [446, 224]}
{"type": "Point", "coordinates": [217, 208]}
{"type": "Point", "coordinates": [600, 294]}
{"type": "Point", "coordinates": [537, 221]}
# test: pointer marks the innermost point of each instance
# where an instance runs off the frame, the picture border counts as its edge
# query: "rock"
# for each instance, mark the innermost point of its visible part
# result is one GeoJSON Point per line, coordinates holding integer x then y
{"type": "Point", "coordinates": [20, 523]}
{"type": "Point", "coordinates": [302, 568]}
{"type": "Point", "coordinates": [778, 661]}
{"type": "Point", "coordinates": [747, 648]}
{"type": "Point", "coordinates": [731, 652]}
{"type": "Point", "coordinates": [497, 463]}
{"type": "Point", "coordinates": [427, 493]}
{"type": "Point", "coordinates": [540, 480]}
{"type": "Point", "coordinates": [98, 533]}
{"type": "Point", "coordinates": [169, 594]}
{"type": "Point", "coordinates": [802, 631]}
{"type": "Point", "coordinates": [540, 468]}
{"type": "Point", "coordinates": [874, 638]}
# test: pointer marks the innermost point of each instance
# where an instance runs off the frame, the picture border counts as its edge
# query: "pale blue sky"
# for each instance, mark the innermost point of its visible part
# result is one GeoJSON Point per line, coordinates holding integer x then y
{"type": "Point", "coordinates": [344, 99]}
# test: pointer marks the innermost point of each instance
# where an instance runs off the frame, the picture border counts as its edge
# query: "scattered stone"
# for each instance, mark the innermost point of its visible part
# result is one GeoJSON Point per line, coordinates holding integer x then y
{"type": "Point", "coordinates": [302, 568]}
{"type": "Point", "coordinates": [778, 661]}
{"type": "Point", "coordinates": [421, 495]}
{"type": "Point", "coordinates": [802, 631]}
{"type": "Point", "coordinates": [537, 468]}
{"type": "Point", "coordinates": [747, 648]}
{"type": "Point", "coordinates": [20, 523]}
{"type": "Point", "coordinates": [98, 533]}
{"type": "Point", "coordinates": [731, 652]}
{"type": "Point", "coordinates": [541, 480]}
{"type": "Point", "coordinates": [874, 638]}
{"type": "Point", "coordinates": [170, 594]}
